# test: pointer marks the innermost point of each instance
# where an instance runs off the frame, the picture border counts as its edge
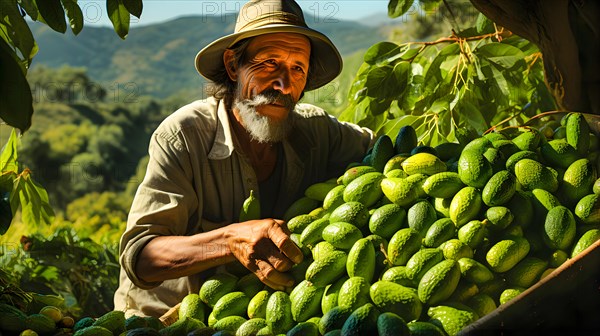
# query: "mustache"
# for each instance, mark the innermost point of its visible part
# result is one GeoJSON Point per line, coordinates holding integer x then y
{"type": "Point", "coordinates": [272, 96]}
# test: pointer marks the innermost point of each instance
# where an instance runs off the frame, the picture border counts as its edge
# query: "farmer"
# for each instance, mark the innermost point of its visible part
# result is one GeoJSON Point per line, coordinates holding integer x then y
{"type": "Point", "coordinates": [207, 156]}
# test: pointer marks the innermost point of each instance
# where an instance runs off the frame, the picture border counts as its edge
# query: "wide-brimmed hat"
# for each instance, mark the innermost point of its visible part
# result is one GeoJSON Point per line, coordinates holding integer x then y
{"type": "Point", "coordinates": [260, 17]}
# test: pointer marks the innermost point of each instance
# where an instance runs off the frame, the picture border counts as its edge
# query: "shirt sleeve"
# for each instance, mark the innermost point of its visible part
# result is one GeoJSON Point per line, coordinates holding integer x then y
{"type": "Point", "coordinates": [163, 202]}
{"type": "Point", "coordinates": [347, 143]}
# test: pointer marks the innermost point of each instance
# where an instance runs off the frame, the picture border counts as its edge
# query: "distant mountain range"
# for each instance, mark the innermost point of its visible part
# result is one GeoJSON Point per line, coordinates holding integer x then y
{"type": "Point", "coordinates": [159, 59]}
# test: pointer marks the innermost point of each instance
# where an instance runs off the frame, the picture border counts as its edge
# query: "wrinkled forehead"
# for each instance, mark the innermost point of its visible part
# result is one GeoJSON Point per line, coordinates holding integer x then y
{"type": "Point", "coordinates": [281, 43]}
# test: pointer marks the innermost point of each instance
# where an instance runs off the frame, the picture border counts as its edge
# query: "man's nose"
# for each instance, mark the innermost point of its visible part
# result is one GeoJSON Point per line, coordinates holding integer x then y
{"type": "Point", "coordinates": [282, 82]}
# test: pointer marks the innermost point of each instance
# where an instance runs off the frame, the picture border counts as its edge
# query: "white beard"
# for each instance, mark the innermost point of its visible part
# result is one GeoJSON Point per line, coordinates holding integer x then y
{"type": "Point", "coordinates": [262, 128]}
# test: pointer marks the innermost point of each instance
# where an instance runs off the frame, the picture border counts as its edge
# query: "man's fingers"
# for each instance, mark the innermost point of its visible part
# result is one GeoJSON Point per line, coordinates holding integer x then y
{"type": "Point", "coordinates": [283, 226]}
{"type": "Point", "coordinates": [285, 244]}
{"type": "Point", "coordinates": [271, 277]}
{"type": "Point", "coordinates": [279, 261]}
{"type": "Point", "coordinates": [279, 221]}
{"type": "Point", "coordinates": [265, 274]}
{"type": "Point", "coordinates": [252, 265]}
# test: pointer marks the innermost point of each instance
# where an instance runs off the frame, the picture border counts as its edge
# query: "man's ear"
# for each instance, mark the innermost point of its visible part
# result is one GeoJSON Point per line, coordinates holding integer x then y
{"type": "Point", "coordinates": [230, 64]}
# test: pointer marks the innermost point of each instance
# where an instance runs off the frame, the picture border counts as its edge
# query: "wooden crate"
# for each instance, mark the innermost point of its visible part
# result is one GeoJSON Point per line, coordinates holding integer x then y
{"type": "Point", "coordinates": [566, 302]}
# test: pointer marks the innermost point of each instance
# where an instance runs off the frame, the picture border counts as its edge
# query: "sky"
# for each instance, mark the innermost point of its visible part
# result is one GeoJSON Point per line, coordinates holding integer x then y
{"type": "Point", "coordinates": [155, 11]}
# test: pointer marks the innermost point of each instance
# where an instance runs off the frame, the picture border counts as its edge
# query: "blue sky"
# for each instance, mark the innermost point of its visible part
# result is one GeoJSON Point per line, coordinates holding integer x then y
{"type": "Point", "coordinates": [94, 11]}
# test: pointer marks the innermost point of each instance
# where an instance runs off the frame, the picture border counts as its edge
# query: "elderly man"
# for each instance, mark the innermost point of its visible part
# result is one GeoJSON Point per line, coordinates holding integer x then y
{"type": "Point", "coordinates": [207, 156]}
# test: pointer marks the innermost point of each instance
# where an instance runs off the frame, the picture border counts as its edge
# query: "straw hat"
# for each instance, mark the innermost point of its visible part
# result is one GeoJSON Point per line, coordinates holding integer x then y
{"type": "Point", "coordinates": [260, 17]}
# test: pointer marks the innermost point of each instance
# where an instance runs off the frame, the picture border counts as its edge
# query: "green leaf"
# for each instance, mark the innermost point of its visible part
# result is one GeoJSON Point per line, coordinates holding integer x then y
{"type": "Point", "coordinates": [375, 121]}
{"type": "Point", "coordinates": [430, 5]}
{"type": "Point", "coordinates": [503, 55]}
{"type": "Point", "coordinates": [471, 114]}
{"type": "Point", "coordinates": [119, 16]}
{"type": "Point", "coordinates": [35, 208]}
{"type": "Point", "coordinates": [449, 64]}
{"type": "Point", "coordinates": [49, 273]}
{"type": "Point", "coordinates": [379, 106]}
{"type": "Point", "coordinates": [134, 7]}
{"type": "Point", "coordinates": [522, 44]}
{"type": "Point", "coordinates": [440, 105]}
{"type": "Point", "coordinates": [436, 138]}
{"type": "Point", "coordinates": [409, 53]}
{"type": "Point", "coordinates": [445, 123]}
{"type": "Point", "coordinates": [499, 82]}
{"type": "Point", "coordinates": [29, 203]}
{"type": "Point", "coordinates": [15, 198]}
{"type": "Point", "coordinates": [17, 30]}
{"type": "Point", "coordinates": [402, 76]}
{"type": "Point", "coordinates": [380, 82]}
{"type": "Point", "coordinates": [6, 32]}
{"type": "Point", "coordinates": [9, 155]}
{"type": "Point", "coordinates": [6, 181]}
{"type": "Point", "coordinates": [52, 14]}
{"type": "Point", "coordinates": [74, 14]}
{"type": "Point", "coordinates": [30, 8]}
{"type": "Point", "coordinates": [392, 127]}
{"type": "Point", "coordinates": [357, 90]}
{"type": "Point", "coordinates": [434, 75]}
{"type": "Point", "coordinates": [357, 112]}
{"type": "Point", "coordinates": [381, 51]}
{"type": "Point", "coordinates": [16, 102]}
{"type": "Point", "coordinates": [418, 79]}
{"type": "Point", "coordinates": [398, 8]}
{"type": "Point", "coordinates": [484, 25]}
{"type": "Point", "coordinates": [46, 211]}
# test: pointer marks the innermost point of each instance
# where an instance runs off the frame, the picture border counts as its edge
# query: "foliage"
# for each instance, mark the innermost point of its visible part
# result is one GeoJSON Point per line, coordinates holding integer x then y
{"type": "Point", "coordinates": [332, 96]}
{"type": "Point", "coordinates": [100, 216]}
{"type": "Point", "coordinates": [64, 85]}
{"type": "Point", "coordinates": [77, 146]}
{"type": "Point", "coordinates": [85, 216]}
{"type": "Point", "coordinates": [17, 49]}
{"type": "Point", "coordinates": [10, 292]}
{"type": "Point", "coordinates": [80, 271]}
{"type": "Point", "coordinates": [428, 22]}
{"type": "Point", "coordinates": [473, 79]}
{"type": "Point", "coordinates": [19, 190]}
{"type": "Point", "coordinates": [18, 46]}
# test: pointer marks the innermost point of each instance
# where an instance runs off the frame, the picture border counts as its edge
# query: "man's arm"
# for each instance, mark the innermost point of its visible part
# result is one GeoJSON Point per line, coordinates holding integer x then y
{"type": "Point", "coordinates": [170, 257]}
{"type": "Point", "coordinates": [262, 246]}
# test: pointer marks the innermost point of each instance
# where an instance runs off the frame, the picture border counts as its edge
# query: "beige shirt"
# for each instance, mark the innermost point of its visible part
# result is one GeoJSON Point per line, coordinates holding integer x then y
{"type": "Point", "coordinates": [197, 179]}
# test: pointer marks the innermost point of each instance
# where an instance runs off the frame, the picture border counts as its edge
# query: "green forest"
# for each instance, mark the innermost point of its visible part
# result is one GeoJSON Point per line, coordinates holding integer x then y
{"type": "Point", "coordinates": [448, 71]}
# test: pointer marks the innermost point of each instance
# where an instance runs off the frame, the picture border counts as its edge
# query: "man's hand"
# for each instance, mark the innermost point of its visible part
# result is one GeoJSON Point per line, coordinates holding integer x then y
{"type": "Point", "coordinates": [265, 248]}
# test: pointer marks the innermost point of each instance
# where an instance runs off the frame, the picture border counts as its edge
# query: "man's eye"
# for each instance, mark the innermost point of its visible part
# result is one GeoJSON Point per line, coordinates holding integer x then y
{"type": "Point", "coordinates": [270, 62]}
{"type": "Point", "coordinates": [300, 69]}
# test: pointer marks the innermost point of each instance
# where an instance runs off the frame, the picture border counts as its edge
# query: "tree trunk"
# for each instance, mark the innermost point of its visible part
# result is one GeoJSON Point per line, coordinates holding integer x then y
{"type": "Point", "coordinates": [568, 34]}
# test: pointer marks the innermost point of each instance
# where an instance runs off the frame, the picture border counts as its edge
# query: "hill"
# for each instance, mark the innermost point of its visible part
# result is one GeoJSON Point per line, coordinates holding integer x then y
{"type": "Point", "coordinates": [157, 59]}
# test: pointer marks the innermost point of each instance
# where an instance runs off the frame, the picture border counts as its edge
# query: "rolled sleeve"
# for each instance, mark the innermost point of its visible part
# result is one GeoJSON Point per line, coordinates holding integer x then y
{"type": "Point", "coordinates": [163, 203]}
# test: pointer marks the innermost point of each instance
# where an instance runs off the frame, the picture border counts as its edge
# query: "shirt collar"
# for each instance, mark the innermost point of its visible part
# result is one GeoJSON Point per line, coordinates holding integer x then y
{"type": "Point", "coordinates": [223, 144]}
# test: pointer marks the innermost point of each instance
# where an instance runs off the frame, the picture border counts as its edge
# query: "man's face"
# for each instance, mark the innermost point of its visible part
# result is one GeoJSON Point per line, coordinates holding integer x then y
{"type": "Point", "coordinates": [270, 82]}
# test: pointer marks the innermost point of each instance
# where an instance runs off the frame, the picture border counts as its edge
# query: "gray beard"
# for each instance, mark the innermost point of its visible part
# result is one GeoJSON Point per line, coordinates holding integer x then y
{"type": "Point", "coordinates": [262, 128]}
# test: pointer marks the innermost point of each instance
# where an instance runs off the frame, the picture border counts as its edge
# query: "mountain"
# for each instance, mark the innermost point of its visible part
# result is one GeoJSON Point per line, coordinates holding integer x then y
{"type": "Point", "coordinates": [158, 60]}
{"type": "Point", "coordinates": [378, 19]}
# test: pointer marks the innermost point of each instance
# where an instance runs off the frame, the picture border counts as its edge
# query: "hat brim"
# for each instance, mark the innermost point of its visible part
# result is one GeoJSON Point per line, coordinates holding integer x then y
{"type": "Point", "coordinates": [326, 60]}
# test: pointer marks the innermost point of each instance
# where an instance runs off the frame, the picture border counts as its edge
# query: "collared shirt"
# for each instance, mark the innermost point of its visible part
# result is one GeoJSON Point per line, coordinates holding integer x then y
{"type": "Point", "coordinates": [198, 178]}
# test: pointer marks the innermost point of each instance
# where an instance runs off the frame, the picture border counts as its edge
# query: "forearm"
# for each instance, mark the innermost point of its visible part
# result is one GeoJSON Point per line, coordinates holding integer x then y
{"type": "Point", "coordinates": [173, 257]}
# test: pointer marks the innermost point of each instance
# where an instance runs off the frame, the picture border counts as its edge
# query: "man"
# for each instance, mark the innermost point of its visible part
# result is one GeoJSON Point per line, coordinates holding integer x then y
{"type": "Point", "coordinates": [207, 156]}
